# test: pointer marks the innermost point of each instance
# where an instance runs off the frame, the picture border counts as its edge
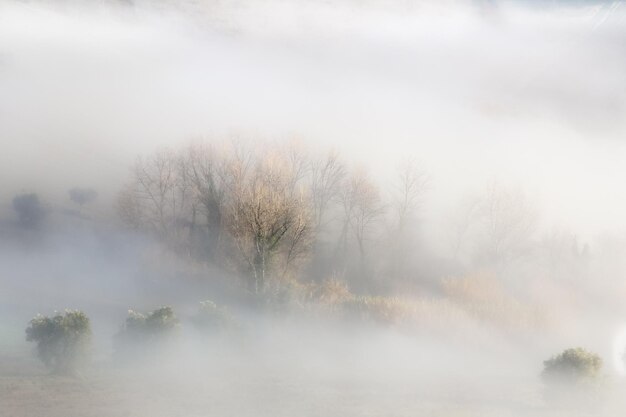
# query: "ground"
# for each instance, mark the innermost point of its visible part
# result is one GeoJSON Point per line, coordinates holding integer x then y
{"type": "Point", "coordinates": [27, 390]}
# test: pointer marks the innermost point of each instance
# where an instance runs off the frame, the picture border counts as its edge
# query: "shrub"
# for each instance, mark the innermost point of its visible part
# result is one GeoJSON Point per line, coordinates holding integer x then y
{"type": "Point", "coordinates": [145, 330]}
{"type": "Point", "coordinates": [213, 318]}
{"type": "Point", "coordinates": [62, 340]}
{"type": "Point", "coordinates": [573, 377]}
{"type": "Point", "coordinates": [572, 366]}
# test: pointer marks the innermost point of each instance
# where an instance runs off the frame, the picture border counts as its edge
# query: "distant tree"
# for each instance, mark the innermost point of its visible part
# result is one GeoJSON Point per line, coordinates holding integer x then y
{"type": "Point", "coordinates": [409, 188]}
{"type": "Point", "coordinates": [327, 176]}
{"type": "Point", "coordinates": [462, 224]}
{"type": "Point", "coordinates": [297, 161]}
{"type": "Point", "coordinates": [62, 340]}
{"type": "Point", "coordinates": [159, 199]}
{"type": "Point", "coordinates": [495, 227]}
{"type": "Point", "coordinates": [563, 256]}
{"type": "Point", "coordinates": [362, 207]}
{"type": "Point", "coordinates": [82, 196]}
{"type": "Point", "coordinates": [508, 223]}
{"type": "Point", "coordinates": [204, 169]}
{"type": "Point", "coordinates": [411, 184]}
{"type": "Point", "coordinates": [29, 210]}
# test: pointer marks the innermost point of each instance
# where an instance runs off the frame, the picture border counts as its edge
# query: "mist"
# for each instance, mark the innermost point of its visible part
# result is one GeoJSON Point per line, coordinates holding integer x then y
{"type": "Point", "coordinates": [445, 178]}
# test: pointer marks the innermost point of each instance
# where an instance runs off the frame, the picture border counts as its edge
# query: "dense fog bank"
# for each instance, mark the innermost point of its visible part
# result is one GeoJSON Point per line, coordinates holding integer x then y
{"type": "Point", "coordinates": [312, 207]}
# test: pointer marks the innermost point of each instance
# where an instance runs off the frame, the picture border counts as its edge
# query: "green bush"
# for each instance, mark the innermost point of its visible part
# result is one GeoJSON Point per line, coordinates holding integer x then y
{"type": "Point", "coordinates": [62, 341]}
{"type": "Point", "coordinates": [572, 366]}
{"type": "Point", "coordinates": [573, 378]}
{"type": "Point", "coordinates": [145, 330]}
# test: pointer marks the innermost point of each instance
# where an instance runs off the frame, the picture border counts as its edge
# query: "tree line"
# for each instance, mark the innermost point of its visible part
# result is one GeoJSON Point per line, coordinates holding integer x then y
{"type": "Point", "coordinates": [273, 212]}
{"type": "Point", "coordinates": [278, 213]}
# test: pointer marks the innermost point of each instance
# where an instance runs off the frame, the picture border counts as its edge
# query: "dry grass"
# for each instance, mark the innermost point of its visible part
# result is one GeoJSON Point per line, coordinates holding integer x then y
{"type": "Point", "coordinates": [485, 298]}
{"type": "Point", "coordinates": [469, 302]}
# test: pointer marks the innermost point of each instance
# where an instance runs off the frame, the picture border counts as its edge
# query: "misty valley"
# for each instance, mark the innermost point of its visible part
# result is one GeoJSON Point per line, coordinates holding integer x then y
{"type": "Point", "coordinates": [312, 208]}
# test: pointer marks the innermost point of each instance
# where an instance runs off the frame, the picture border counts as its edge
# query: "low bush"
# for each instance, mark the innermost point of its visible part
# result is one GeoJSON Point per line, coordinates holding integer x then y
{"type": "Point", "coordinates": [572, 366]}
{"type": "Point", "coordinates": [573, 377]}
{"type": "Point", "coordinates": [214, 319]}
{"type": "Point", "coordinates": [146, 331]}
{"type": "Point", "coordinates": [62, 340]}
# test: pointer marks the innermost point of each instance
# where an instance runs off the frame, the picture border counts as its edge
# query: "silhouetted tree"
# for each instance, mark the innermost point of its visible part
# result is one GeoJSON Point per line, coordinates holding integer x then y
{"type": "Point", "coordinates": [327, 175]}
{"type": "Point", "coordinates": [362, 207]}
{"type": "Point", "coordinates": [159, 199]}
{"type": "Point", "coordinates": [406, 197]}
{"type": "Point", "coordinates": [499, 224]}
{"type": "Point", "coordinates": [204, 169]}
{"type": "Point", "coordinates": [29, 210]}
{"type": "Point", "coordinates": [82, 196]}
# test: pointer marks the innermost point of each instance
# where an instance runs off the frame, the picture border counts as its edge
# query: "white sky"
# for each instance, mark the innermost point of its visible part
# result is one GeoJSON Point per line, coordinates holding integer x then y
{"type": "Point", "coordinates": [531, 98]}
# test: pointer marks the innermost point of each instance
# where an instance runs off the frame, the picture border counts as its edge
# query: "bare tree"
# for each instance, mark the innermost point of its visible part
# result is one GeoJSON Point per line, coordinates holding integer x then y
{"type": "Point", "coordinates": [129, 208]}
{"type": "Point", "coordinates": [297, 160]}
{"type": "Point", "coordinates": [159, 197]}
{"type": "Point", "coordinates": [563, 255]}
{"type": "Point", "coordinates": [463, 222]}
{"type": "Point", "coordinates": [508, 222]}
{"type": "Point", "coordinates": [268, 222]}
{"type": "Point", "coordinates": [494, 227]}
{"type": "Point", "coordinates": [362, 207]}
{"type": "Point", "coordinates": [408, 191]}
{"type": "Point", "coordinates": [412, 182]}
{"type": "Point", "coordinates": [327, 176]}
{"type": "Point", "coordinates": [238, 195]}
{"type": "Point", "coordinates": [203, 170]}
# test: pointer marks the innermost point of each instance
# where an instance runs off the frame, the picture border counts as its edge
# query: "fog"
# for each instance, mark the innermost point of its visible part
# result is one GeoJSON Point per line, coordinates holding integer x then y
{"type": "Point", "coordinates": [469, 228]}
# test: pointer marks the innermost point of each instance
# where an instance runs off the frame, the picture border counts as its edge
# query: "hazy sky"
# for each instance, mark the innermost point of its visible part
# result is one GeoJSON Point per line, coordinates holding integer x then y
{"type": "Point", "coordinates": [529, 97]}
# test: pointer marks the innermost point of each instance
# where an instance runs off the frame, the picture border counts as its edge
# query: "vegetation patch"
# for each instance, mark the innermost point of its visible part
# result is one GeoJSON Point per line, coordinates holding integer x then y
{"type": "Point", "coordinates": [62, 340]}
{"type": "Point", "coordinates": [573, 377]}
{"type": "Point", "coordinates": [145, 332]}
{"type": "Point", "coordinates": [214, 319]}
